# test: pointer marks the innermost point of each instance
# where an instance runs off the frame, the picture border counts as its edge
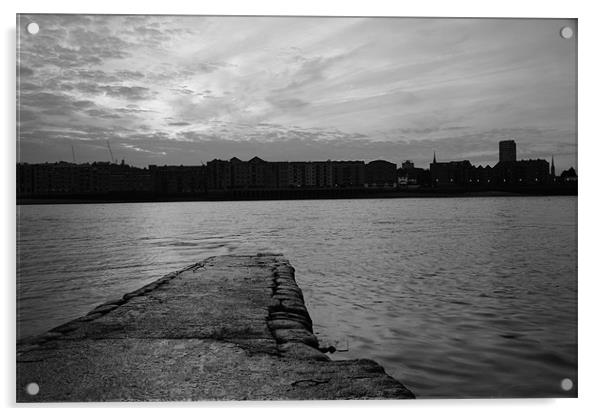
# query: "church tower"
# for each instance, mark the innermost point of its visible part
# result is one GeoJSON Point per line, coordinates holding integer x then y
{"type": "Point", "coordinates": [553, 170]}
{"type": "Point", "coordinates": [434, 158]}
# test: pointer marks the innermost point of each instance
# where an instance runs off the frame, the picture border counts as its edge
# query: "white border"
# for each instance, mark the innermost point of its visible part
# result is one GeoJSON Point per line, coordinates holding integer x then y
{"type": "Point", "coordinates": [590, 95]}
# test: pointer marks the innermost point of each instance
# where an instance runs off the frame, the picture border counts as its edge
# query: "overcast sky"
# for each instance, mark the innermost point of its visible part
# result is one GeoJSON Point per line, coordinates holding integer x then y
{"type": "Point", "coordinates": [185, 90]}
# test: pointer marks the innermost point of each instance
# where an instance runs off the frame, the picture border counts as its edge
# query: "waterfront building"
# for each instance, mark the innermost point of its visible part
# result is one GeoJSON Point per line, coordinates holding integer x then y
{"type": "Point", "coordinates": [258, 173]}
{"type": "Point", "coordinates": [482, 176]}
{"type": "Point", "coordinates": [64, 178]}
{"type": "Point", "coordinates": [324, 175]}
{"type": "Point", "coordinates": [409, 176]}
{"type": "Point", "coordinates": [455, 173]}
{"type": "Point", "coordinates": [380, 173]}
{"type": "Point", "coordinates": [279, 174]}
{"type": "Point", "coordinates": [240, 174]}
{"type": "Point", "coordinates": [177, 180]}
{"type": "Point", "coordinates": [569, 175]}
{"type": "Point", "coordinates": [523, 172]}
{"type": "Point", "coordinates": [349, 174]}
{"type": "Point", "coordinates": [296, 174]}
{"type": "Point", "coordinates": [507, 151]}
{"type": "Point", "coordinates": [218, 175]}
{"type": "Point", "coordinates": [309, 177]}
{"type": "Point", "coordinates": [103, 178]}
{"type": "Point", "coordinates": [408, 164]}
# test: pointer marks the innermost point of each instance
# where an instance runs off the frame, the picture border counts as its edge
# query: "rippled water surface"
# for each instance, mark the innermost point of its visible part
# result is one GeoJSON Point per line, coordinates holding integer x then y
{"type": "Point", "coordinates": [473, 297]}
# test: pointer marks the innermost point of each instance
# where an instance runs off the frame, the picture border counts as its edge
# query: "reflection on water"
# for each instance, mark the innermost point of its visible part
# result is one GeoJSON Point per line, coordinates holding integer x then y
{"type": "Point", "coordinates": [455, 297]}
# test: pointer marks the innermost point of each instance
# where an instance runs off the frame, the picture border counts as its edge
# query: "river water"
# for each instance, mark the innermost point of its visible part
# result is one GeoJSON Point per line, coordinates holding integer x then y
{"type": "Point", "coordinates": [455, 297]}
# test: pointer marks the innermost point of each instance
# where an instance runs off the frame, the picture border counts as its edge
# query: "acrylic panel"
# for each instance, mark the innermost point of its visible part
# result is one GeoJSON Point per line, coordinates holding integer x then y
{"type": "Point", "coordinates": [295, 208]}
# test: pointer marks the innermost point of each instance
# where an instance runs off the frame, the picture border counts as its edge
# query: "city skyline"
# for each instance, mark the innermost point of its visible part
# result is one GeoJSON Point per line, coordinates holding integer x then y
{"type": "Point", "coordinates": [399, 162]}
{"type": "Point", "coordinates": [181, 90]}
{"type": "Point", "coordinates": [203, 163]}
{"type": "Point", "coordinates": [217, 175]}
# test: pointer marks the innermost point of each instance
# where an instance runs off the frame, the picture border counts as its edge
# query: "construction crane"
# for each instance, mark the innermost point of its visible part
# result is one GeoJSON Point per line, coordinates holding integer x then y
{"type": "Point", "coordinates": [110, 152]}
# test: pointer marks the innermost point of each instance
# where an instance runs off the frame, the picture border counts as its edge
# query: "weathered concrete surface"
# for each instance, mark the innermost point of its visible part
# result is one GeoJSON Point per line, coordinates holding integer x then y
{"type": "Point", "coordinates": [229, 328]}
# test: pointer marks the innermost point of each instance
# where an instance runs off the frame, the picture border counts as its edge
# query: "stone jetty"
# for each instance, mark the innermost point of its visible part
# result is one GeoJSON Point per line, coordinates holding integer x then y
{"type": "Point", "coordinates": [227, 328]}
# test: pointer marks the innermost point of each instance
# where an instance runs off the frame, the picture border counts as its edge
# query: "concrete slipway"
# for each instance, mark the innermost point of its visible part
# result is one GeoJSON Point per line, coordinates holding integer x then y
{"type": "Point", "coordinates": [227, 328]}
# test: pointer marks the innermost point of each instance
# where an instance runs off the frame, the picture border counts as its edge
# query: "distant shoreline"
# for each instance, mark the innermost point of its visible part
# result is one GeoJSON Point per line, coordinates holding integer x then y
{"type": "Point", "coordinates": [295, 194]}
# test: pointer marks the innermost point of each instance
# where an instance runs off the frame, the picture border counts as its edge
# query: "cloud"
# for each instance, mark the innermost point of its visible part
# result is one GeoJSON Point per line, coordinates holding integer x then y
{"type": "Point", "coordinates": [132, 109]}
{"type": "Point", "coordinates": [139, 149]}
{"type": "Point", "coordinates": [178, 86]}
{"type": "Point", "coordinates": [102, 113]}
{"type": "Point", "coordinates": [312, 69]}
{"type": "Point", "coordinates": [207, 67]}
{"type": "Point", "coordinates": [288, 103]}
{"type": "Point", "coordinates": [184, 91]}
{"type": "Point", "coordinates": [134, 93]}
{"type": "Point", "coordinates": [89, 75]}
{"type": "Point", "coordinates": [24, 71]}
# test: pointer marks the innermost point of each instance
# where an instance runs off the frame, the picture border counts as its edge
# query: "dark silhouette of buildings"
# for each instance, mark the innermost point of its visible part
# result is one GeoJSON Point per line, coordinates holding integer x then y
{"type": "Point", "coordinates": [381, 174]}
{"type": "Point", "coordinates": [407, 165]}
{"type": "Point", "coordinates": [218, 174]}
{"type": "Point", "coordinates": [482, 176]}
{"type": "Point", "coordinates": [103, 178]}
{"type": "Point", "coordinates": [259, 174]}
{"type": "Point", "coordinates": [63, 178]}
{"type": "Point", "coordinates": [508, 172]}
{"type": "Point", "coordinates": [177, 180]}
{"type": "Point", "coordinates": [259, 178]}
{"type": "Point", "coordinates": [523, 172]}
{"type": "Point", "coordinates": [411, 177]}
{"type": "Point", "coordinates": [450, 173]}
{"type": "Point", "coordinates": [568, 175]}
{"type": "Point", "coordinates": [507, 151]}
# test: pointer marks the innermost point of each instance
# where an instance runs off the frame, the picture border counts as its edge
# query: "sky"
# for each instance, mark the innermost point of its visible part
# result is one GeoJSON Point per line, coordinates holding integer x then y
{"type": "Point", "coordinates": [187, 89]}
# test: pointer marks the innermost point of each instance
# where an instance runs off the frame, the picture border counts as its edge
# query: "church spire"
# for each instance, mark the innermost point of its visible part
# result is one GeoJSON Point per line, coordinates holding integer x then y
{"type": "Point", "coordinates": [434, 158]}
{"type": "Point", "coordinates": [553, 168]}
